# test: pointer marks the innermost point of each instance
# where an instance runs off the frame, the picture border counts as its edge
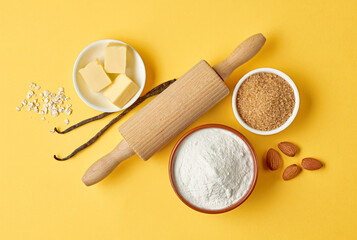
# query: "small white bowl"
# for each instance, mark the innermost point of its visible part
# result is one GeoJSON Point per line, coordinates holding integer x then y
{"type": "Point", "coordinates": [135, 70]}
{"type": "Point", "coordinates": [291, 118]}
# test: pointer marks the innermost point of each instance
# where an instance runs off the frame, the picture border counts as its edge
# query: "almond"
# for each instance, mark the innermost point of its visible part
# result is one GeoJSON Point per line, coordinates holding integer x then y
{"type": "Point", "coordinates": [273, 159]}
{"type": "Point", "coordinates": [291, 171]}
{"type": "Point", "coordinates": [311, 164]}
{"type": "Point", "coordinates": [288, 148]}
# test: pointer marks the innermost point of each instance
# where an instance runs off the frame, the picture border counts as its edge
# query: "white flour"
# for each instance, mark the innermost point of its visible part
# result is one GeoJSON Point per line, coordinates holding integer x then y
{"type": "Point", "coordinates": [213, 168]}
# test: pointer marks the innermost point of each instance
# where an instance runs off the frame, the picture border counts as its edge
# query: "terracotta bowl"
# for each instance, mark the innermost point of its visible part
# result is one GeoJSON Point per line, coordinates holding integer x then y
{"type": "Point", "coordinates": [171, 169]}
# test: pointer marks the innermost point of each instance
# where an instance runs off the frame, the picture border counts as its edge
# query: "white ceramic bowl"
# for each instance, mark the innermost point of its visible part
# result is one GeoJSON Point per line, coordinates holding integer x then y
{"type": "Point", "coordinates": [291, 118]}
{"type": "Point", "coordinates": [135, 70]}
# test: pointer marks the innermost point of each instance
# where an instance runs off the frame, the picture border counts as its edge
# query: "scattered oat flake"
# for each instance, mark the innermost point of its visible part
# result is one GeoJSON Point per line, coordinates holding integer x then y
{"type": "Point", "coordinates": [46, 102]}
{"type": "Point", "coordinates": [66, 121]}
{"type": "Point", "coordinates": [54, 113]}
{"type": "Point", "coordinates": [52, 131]}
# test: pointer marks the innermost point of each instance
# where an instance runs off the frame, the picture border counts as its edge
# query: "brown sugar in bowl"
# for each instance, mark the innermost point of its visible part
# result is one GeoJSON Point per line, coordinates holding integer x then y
{"type": "Point", "coordinates": [277, 117]}
{"type": "Point", "coordinates": [241, 200]}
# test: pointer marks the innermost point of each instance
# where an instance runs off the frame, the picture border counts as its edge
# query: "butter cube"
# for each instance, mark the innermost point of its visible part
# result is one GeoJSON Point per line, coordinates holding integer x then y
{"type": "Point", "coordinates": [121, 91]}
{"type": "Point", "coordinates": [95, 76]}
{"type": "Point", "coordinates": [115, 58]}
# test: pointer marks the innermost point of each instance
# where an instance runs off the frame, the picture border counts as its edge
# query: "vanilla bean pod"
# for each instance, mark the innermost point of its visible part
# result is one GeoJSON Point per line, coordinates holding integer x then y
{"type": "Point", "coordinates": [81, 123]}
{"type": "Point", "coordinates": [155, 91]}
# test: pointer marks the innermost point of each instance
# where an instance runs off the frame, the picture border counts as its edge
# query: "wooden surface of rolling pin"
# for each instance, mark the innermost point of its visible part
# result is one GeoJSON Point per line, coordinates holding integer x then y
{"type": "Point", "coordinates": [174, 110]}
{"type": "Point", "coordinates": [161, 120]}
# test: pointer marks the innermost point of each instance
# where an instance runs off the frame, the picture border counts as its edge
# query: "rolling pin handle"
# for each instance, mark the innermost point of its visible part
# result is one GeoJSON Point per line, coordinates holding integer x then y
{"type": "Point", "coordinates": [244, 52]}
{"type": "Point", "coordinates": [101, 168]}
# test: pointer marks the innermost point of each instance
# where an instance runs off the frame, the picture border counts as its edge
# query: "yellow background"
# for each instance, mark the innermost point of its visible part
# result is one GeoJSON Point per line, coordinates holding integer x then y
{"type": "Point", "coordinates": [314, 42]}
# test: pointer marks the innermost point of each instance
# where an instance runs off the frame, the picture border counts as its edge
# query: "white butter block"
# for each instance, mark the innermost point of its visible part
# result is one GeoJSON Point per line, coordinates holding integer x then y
{"type": "Point", "coordinates": [115, 58]}
{"type": "Point", "coordinates": [95, 76]}
{"type": "Point", "coordinates": [121, 91]}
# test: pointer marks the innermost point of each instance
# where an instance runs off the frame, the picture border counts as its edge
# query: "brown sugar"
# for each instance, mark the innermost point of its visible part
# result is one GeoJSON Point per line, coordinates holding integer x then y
{"type": "Point", "coordinates": [265, 101]}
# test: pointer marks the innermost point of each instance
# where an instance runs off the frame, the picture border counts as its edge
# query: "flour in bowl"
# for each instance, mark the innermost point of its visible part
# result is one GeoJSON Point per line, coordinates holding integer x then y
{"type": "Point", "coordinates": [213, 168]}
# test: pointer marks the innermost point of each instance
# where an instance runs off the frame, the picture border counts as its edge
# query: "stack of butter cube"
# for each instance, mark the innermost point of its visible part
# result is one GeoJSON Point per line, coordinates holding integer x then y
{"type": "Point", "coordinates": [120, 90]}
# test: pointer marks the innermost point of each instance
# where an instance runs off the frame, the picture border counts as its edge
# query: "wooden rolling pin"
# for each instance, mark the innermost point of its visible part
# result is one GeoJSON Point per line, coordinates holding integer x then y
{"type": "Point", "coordinates": [172, 111]}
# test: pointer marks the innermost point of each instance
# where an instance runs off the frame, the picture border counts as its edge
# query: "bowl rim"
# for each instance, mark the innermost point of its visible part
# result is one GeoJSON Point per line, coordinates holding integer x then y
{"type": "Point", "coordinates": [290, 119]}
{"type": "Point", "coordinates": [255, 174]}
{"type": "Point", "coordinates": [75, 69]}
